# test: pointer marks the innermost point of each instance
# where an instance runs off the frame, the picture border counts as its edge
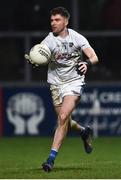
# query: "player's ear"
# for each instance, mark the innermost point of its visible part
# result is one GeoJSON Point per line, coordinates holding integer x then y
{"type": "Point", "coordinates": [66, 21]}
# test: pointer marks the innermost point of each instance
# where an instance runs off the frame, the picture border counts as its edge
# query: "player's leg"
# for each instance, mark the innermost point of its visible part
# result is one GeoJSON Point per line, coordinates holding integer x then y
{"type": "Point", "coordinates": [69, 103]}
{"type": "Point", "coordinates": [86, 134]}
{"type": "Point", "coordinates": [75, 126]}
{"type": "Point", "coordinates": [48, 164]}
{"type": "Point", "coordinates": [64, 111]}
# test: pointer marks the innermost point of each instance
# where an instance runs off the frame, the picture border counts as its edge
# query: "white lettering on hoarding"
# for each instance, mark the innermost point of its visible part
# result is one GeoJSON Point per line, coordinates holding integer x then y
{"type": "Point", "coordinates": [103, 97]}
{"type": "Point", "coordinates": [99, 107]}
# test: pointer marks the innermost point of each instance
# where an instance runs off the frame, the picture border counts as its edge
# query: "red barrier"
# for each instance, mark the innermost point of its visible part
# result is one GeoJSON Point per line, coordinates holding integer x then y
{"type": "Point", "coordinates": [1, 112]}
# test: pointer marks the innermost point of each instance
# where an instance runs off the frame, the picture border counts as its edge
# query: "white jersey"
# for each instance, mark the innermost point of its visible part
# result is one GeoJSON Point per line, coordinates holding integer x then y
{"type": "Point", "coordinates": [65, 54]}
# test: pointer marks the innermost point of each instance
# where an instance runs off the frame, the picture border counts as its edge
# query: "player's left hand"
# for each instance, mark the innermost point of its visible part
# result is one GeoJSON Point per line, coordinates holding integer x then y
{"type": "Point", "coordinates": [82, 68]}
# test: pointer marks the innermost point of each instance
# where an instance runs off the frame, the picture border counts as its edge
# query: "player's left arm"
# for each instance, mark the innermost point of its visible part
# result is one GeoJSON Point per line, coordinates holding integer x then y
{"type": "Point", "coordinates": [91, 55]}
{"type": "Point", "coordinates": [91, 59]}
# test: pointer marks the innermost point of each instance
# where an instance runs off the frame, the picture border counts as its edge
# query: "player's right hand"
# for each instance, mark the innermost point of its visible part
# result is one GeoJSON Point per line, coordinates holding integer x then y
{"type": "Point", "coordinates": [27, 57]}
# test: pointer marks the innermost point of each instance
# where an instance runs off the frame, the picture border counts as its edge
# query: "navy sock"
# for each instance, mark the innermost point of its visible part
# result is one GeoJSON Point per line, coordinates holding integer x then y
{"type": "Point", "coordinates": [82, 131]}
{"type": "Point", "coordinates": [53, 154]}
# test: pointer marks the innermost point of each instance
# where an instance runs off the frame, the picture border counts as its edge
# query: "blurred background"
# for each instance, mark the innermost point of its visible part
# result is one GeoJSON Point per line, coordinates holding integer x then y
{"type": "Point", "coordinates": [24, 23]}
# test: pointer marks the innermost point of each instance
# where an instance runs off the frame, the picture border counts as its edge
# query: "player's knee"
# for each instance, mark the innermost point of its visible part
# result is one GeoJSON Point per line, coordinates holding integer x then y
{"type": "Point", "coordinates": [62, 118]}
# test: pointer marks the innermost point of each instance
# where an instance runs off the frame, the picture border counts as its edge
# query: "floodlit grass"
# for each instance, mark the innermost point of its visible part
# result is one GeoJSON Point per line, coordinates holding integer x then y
{"type": "Point", "coordinates": [21, 158]}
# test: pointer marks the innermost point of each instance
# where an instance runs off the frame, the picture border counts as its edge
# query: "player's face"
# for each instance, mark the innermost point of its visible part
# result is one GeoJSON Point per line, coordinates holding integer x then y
{"type": "Point", "coordinates": [58, 23]}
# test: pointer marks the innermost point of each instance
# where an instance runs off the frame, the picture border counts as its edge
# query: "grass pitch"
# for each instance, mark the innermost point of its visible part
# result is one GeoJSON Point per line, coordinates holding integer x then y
{"type": "Point", "coordinates": [21, 158]}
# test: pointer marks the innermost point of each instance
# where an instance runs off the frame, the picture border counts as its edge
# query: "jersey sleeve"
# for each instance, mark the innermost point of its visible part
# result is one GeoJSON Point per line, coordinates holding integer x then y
{"type": "Point", "coordinates": [82, 42]}
{"type": "Point", "coordinates": [48, 41]}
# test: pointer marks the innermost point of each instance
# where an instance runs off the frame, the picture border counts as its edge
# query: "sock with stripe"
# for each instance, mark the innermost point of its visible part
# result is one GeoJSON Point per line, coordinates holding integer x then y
{"type": "Point", "coordinates": [53, 154]}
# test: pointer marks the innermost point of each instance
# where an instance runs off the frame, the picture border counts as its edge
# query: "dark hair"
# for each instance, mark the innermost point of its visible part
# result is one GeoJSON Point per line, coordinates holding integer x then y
{"type": "Point", "coordinates": [60, 10]}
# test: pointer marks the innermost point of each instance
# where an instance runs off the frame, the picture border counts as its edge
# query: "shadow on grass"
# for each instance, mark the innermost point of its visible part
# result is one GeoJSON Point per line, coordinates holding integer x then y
{"type": "Point", "coordinates": [67, 168]}
{"type": "Point", "coordinates": [55, 169]}
{"type": "Point", "coordinates": [39, 172]}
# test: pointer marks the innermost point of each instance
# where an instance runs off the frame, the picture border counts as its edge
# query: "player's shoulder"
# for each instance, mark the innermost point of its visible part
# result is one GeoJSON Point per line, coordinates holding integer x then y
{"type": "Point", "coordinates": [75, 33]}
{"type": "Point", "coordinates": [50, 35]}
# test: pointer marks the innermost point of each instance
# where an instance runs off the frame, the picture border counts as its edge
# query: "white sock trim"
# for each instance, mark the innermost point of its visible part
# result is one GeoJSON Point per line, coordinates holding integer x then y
{"type": "Point", "coordinates": [54, 150]}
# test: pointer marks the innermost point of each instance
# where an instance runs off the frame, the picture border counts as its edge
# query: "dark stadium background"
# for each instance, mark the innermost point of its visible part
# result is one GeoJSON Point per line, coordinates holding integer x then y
{"type": "Point", "coordinates": [25, 22]}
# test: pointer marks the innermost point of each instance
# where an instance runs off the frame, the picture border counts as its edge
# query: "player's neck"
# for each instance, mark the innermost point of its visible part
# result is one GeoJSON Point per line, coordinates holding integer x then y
{"type": "Point", "coordinates": [64, 33]}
